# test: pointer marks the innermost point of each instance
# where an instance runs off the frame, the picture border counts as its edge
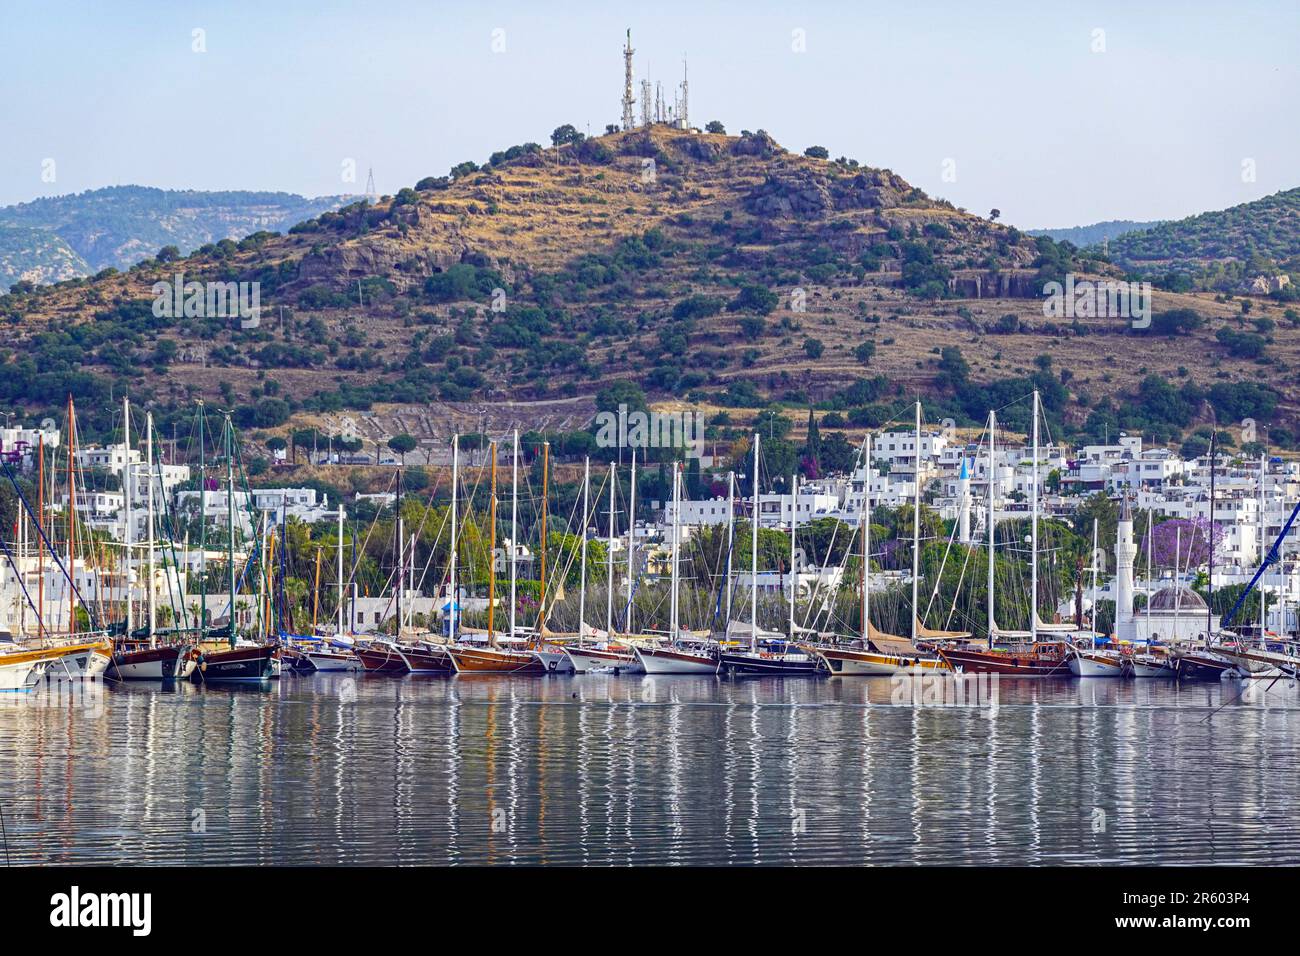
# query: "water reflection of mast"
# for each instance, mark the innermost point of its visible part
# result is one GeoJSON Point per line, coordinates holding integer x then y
{"type": "Point", "coordinates": [452, 737]}
{"type": "Point", "coordinates": [675, 802]}
{"type": "Point", "coordinates": [1035, 779]}
{"type": "Point", "coordinates": [513, 762]}
{"type": "Point", "coordinates": [755, 735]}
{"type": "Point", "coordinates": [728, 780]}
{"type": "Point", "coordinates": [584, 782]}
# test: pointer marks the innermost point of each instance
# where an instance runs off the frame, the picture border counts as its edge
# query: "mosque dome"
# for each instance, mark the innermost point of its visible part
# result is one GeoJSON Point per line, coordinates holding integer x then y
{"type": "Point", "coordinates": [1177, 599]}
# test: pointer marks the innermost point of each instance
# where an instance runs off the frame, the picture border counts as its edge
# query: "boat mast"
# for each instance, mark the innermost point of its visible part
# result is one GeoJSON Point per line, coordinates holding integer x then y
{"type": "Point", "coordinates": [230, 522]}
{"type": "Point", "coordinates": [993, 424]}
{"type": "Point", "coordinates": [1263, 555]}
{"type": "Point", "coordinates": [315, 594]}
{"type": "Point", "coordinates": [1094, 578]}
{"type": "Point", "coordinates": [916, 527]}
{"type": "Point", "coordinates": [677, 504]}
{"type": "Point", "coordinates": [40, 534]}
{"type": "Point", "coordinates": [399, 576]}
{"type": "Point", "coordinates": [340, 566]}
{"type": "Point", "coordinates": [866, 544]}
{"type": "Point", "coordinates": [1033, 534]}
{"type": "Point", "coordinates": [794, 520]}
{"type": "Point", "coordinates": [1151, 586]}
{"type": "Point", "coordinates": [609, 561]}
{"type": "Point", "coordinates": [451, 575]}
{"type": "Point", "coordinates": [514, 527]}
{"type": "Point", "coordinates": [1209, 582]}
{"type": "Point", "coordinates": [631, 540]}
{"type": "Point", "coordinates": [546, 488]}
{"type": "Point", "coordinates": [153, 598]}
{"type": "Point", "coordinates": [753, 558]}
{"type": "Point", "coordinates": [492, 550]}
{"type": "Point", "coordinates": [72, 521]}
{"type": "Point", "coordinates": [731, 539]}
{"type": "Point", "coordinates": [582, 585]}
{"type": "Point", "coordinates": [126, 510]}
{"type": "Point", "coordinates": [203, 532]}
{"type": "Point", "coordinates": [1178, 587]}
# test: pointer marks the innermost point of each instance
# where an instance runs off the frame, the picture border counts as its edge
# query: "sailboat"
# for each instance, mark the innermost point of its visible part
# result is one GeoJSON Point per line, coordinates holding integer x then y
{"type": "Point", "coordinates": [493, 657]}
{"type": "Point", "coordinates": [602, 653]}
{"type": "Point", "coordinates": [134, 659]}
{"type": "Point", "coordinates": [79, 655]}
{"type": "Point", "coordinates": [1253, 660]}
{"type": "Point", "coordinates": [236, 662]}
{"type": "Point", "coordinates": [780, 656]}
{"type": "Point", "coordinates": [1031, 658]}
{"type": "Point", "coordinates": [876, 653]}
{"type": "Point", "coordinates": [1089, 658]}
{"type": "Point", "coordinates": [680, 655]}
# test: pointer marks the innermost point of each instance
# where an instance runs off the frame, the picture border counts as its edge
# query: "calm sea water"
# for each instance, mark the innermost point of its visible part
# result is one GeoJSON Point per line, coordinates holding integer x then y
{"type": "Point", "coordinates": [618, 770]}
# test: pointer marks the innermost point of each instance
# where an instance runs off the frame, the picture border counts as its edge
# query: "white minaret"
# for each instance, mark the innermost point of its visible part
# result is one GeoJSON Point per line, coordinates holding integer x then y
{"type": "Point", "coordinates": [963, 496]}
{"type": "Point", "coordinates": [1125, 553]}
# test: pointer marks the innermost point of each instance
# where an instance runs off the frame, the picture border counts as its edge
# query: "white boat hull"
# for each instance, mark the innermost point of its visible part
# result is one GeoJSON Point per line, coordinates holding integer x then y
{"type": "Point", "coordinates": [21, 675]}
{"type": "Point", "coordinates": [1087, 665]}
{"type": "Point", "coordinates": [1149, 669]}
{"type": "Point", "coordinates": [555, 661]}
{"type": "Point", "coordinates": [584, 660]}
{"type": "Point", "coordinates": [324, 661]}
{"type": "Point", "coordinates": [872, 664]}
{"type": "Point", "coordinates": [659, 661]}
{"type": "Point", "coordinates": [80, 665]}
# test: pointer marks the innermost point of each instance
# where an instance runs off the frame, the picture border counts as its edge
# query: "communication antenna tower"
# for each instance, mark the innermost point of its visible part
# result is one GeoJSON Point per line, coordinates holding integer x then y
{"type": "Point", "coordinates": [628, 120]}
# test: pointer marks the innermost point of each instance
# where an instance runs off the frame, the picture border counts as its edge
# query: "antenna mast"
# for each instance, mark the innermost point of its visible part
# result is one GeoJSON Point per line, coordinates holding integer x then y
{"type": "Point", "coordinates": [684, 114]}
{"type": "Point", "coordinates": [628, 121]}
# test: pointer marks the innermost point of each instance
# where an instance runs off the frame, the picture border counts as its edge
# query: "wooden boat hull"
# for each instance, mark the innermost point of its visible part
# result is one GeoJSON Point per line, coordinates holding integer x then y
{"type": "Point", "coordinates": [296, 660]}
{"type": "Point", "coordinates": [426, 659]}
{"type": "Point", "coordinates": [235, 664]}
{"type": "Point", "coordinates": [146, 663]}
{"type": "Point", "coordinates": [674, 660]}
{"type": "Point", "coordinates": [741, 663]}
{"type": "Point", "coordinates": [382, 659]}
{"type": "Point", "coordinates": [1202, 667]}
{"type": "Point", "coordinates": [489, 660]}
{"type": "Point", "coordinates": [586, 659]}
{"type": "Point", "coordinates": [1007, 663]}
{"type": "Point", "coordinates": [856, 662]}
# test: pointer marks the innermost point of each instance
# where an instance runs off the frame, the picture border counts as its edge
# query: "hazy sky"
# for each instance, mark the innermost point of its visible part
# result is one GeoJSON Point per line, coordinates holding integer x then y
{"type": "Point", "coordinates": [1035, 122]}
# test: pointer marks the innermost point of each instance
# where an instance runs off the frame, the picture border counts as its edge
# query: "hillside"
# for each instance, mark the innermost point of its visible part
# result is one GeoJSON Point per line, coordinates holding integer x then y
{"type": "Point", "coordinates": [1222, 247]}
{"type": "Point", "coordinates": [717, 270]}
{"type": "Point", "coordinates": [36, 255]}
{"type": "Point", "coordinates": [120, 225]}
{"type": "Point", "coordinates": [1096, 233]}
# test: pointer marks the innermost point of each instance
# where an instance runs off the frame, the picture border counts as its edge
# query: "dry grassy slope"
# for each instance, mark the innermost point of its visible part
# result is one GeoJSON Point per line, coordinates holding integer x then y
{"type": "Point", "coordinates": [535, 215]}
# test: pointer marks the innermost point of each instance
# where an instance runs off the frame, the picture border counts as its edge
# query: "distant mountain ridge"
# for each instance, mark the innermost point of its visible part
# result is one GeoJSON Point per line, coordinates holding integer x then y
{"type": "Point", "coordinates": [1096, 233]}
{"type": "Point", "coordinates": [62, 237]}
{"type": "Point", "coordinates": [1261, 236]}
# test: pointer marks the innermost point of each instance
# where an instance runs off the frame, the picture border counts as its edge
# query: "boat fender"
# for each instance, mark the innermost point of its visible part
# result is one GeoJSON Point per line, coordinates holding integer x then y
{"type": "Point", "coordinates": [552, 665]}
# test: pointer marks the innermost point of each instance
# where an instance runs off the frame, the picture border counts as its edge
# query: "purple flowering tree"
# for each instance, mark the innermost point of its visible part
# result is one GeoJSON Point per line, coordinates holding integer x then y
{"type": "Point", "coordinates": [1193, 536]}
